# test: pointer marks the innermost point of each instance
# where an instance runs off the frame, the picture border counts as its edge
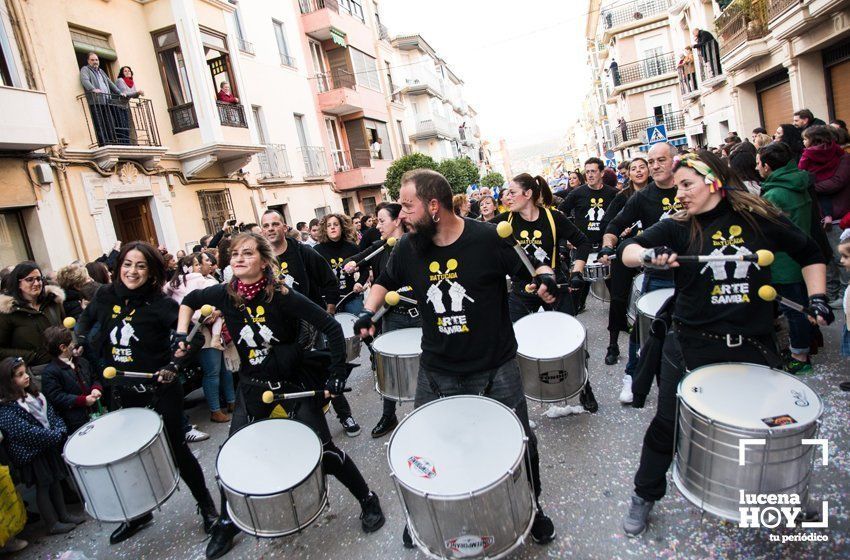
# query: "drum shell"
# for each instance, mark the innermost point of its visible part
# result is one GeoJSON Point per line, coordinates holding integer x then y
{"type": "Point", "coordinates": [644, 323]}
{"type": "Point", "coordinates": [637, 291]}
{"type": "Point", "coordinates": [129, 487]}
{"type": "Point", "coordinates": [396, 374]}
{"type": "Point", "coordinates": [600, 291]}
{"type": "Point", "coordinates": [554, 380]}
{"type": "Point", "coordinates": [706, 469]}
{"type": "Point", "coordinates": [352, 348]}
{"type": "Point", "coordinates": [596, 273]}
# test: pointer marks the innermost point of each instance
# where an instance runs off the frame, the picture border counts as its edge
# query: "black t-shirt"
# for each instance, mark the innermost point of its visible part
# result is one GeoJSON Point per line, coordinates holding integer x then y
{"type": "Point", "coordinates": [646, 207]}
{"type": "Point", "coordinates": [368, 237]}
{"type": "Point", "coordinates": [260, 325]}
{"type": "Point", "coordinates": [722, 297]}
{"type": "Point", "coordinates": [537, 239]}
{"type": "Point", "coordinates": [336, 253]}
{"type": "Point", "coordinates": [462, 298]}
{"type": "Point", "coordinates": [303, 269]}
{"type": "Point", "coordinates": [587, 207]}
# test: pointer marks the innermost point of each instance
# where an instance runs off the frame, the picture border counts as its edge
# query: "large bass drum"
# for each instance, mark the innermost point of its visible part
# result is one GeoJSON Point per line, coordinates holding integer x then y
{"type": "Point", "coordinates": [722, 404]}
{"type": "Point", "coordinates": [552, 356]}
{"type": "Point", "coordinates": [459, 466]}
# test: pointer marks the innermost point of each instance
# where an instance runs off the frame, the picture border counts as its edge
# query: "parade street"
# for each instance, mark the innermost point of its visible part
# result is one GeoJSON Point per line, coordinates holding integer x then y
{"type": "Point", "coordinates": [587, 464]}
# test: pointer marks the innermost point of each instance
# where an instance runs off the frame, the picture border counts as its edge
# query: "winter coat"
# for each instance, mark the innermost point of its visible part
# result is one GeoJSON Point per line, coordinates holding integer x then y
{"type": "Point", "coordinates": [73, 304]}
{"type": "Point", "coordinates": [787, 188]}
{"type": "Point", "coordinates": [837, 187]}
{"type": "Point", "coordinates": [196, 281]}
{"type": "Point", "coordinates": [22, 327]}
{"type": "Point", "coordinates": [66, 390]}
{"type": "Point", "coordinates": [24, 436]}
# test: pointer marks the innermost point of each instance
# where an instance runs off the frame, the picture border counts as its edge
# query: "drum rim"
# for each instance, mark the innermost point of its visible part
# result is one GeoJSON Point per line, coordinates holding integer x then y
{"type": "Point", "coordinates": [377, 338]}
{"type": "Point", "coordinates": [147, 444]}
{"type": "Point", "coordinates": [681, 401]}
{"type": "Point", "coordinates": [299, 483]}
{"type": "Point", "coordinates": [582, 345]}
{"type": "Point", "coordinates": [454, 497]}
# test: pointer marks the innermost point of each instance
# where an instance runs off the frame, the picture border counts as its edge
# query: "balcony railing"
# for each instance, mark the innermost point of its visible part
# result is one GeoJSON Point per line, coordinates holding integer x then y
{"type": "Point", "coordinates": [741, 21]}
{"type": "Point", "coordinates": [245, 46]}
{"type": "Point", "coordinates": [351, 7]}
{"type": "Point", "coordinates": [645, 69]}
{"type": "Point", "coordinates": [183, 117]}
{"type": "Point", "coordinates": [632, 12]}
{"type": "Point", "coordinates": [287, 60]}
{"type": "Point", "coordinates": [360, 157]}
{"type": "Point", "coordinates": [117, 120]}
{"type": "Point", "coordinates": [274, 162]}
{"type": "Point", "coordinates": [231, 114]}
{"type": "Point", "coordinates": [315, 161]}
{"type": "Point", "coordinates": [383, 32]}
{"type": "Point", "coordinates": [635, 130]}
{"type": "Point", "coordinates": [778, 7]}
{"type": "Point", "coordinates": [436, 126]}
{"type": "Point", "coordinates": [337, 79]}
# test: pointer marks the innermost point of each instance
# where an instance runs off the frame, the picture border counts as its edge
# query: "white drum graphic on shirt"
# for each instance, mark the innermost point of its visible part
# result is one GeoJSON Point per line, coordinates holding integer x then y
{"type": "Point", "coordinates": [450, 320]}
{"type": "Point", "coordinates": [532, 243]}
{"type": "Point", "coordinates": [121, 335]}
{"type": "Point", "coordinates": [668, 208]}
{"type": "Point", "coordinates": [736, 289]}
{"type": "Point", "coordinates": [248, 335]}
{"type": "Point", "coordinates": [595, 213]}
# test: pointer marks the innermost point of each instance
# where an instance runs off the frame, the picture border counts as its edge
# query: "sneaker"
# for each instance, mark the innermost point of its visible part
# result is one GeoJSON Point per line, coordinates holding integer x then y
{"type": "Point", "coordinates": [385, 425]}
{"type": "Point", "coordinates": [587, 400]}
{"type": "Point", "coordinates": [351, 427]}
{"type": "Point", "coordinates": [612, 356]}
{"type": "Point", "coordinates": [371, 518]}
{"type": "Point", "coordinates": [635, 522]}
{"type": "Point", "coordinates": [542, 529]}
{"type": "Point", "coordinates": [406, 539]}
{"type": "Point", "coordinates": [195, 435]}
{"type": "Point", "coordinates": [626, 396]}
{"type": "Point", "coordinates": [797, 367]}
{"type": "Point", "coordinates": [14, 545]}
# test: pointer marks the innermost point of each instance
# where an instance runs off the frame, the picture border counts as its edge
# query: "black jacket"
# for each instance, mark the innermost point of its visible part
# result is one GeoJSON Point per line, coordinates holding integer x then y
{"type": "Point", "coordinates": [66, 390]}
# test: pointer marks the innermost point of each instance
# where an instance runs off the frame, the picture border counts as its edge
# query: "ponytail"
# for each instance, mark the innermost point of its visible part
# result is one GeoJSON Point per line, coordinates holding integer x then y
{"type": "Point", "coordinates": [541, 194]}
{"type": "Point", "coordinates": [545, 193]}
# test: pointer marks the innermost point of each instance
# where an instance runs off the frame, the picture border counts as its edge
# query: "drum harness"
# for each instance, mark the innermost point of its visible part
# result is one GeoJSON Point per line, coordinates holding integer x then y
{"type": "Point", "coordinates": [770, 355]}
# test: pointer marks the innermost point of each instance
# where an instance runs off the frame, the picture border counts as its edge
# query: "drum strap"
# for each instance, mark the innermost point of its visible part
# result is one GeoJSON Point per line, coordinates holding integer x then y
{"type": "Point", "coordinates": [552, 227]}
{"type": "Point", "coordinates": [771, 356]}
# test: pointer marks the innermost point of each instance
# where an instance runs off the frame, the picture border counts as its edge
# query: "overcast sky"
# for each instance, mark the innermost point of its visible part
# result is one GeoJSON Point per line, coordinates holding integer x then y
{"type": "Point", "coordinates": [523, 63]}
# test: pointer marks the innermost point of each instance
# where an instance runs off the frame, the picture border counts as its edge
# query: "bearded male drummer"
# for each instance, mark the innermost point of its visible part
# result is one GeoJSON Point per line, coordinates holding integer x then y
{"type": "Point", "coordinates": [457, 270]}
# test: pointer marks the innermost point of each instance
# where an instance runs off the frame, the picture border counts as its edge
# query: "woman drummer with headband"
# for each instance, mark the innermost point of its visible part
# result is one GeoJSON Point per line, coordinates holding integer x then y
{"type": "Point", "coordinates": [544, 233]}
{"type": "Point", "coordinates": [717, 316]}
{"type": "Point", "coordinates": [264, 318]}
{"type": "Point", "coordinates": [401, 316]}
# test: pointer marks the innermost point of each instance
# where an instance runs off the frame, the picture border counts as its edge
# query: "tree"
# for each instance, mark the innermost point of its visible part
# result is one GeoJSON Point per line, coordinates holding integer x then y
{"type": "Point", "coordinates": [401, 166]}
{"type": "Point", "coordinates": [459, 172]}
{"type": "Point", "coordinates": [493, 180]}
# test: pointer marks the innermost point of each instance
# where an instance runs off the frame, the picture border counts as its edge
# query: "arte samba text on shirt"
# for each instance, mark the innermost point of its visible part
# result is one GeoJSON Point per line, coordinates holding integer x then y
{"type": "Point", "coordinates": [462, 298]}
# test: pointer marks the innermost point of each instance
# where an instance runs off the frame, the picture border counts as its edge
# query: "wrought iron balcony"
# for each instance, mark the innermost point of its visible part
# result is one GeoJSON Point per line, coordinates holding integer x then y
{"type": "Point", "coordinates": [183, 117]}
{"type": "Point", "coordinates": [632, 12]}
{"type": "Point", "coordinates": [274, 162]}
{"type": "Point", "coordinates": [327, 81]}
{"type": "Point", "coordinates": [741, 21]}
{"type": "Point", "coordinates": [287, 60]}
{"type": "Point", "coordinates": [644, 69]}
{"type": "Point", "coordinates": [351, 7]}
{"type": "Point", "coordinates": [778, 7]}
{"type": "Point", "coordinates": [245, 46]}
{"type": "Point", "coordinates": [118, 120]}
{"type": "Point", "coordinates": [231, 114]}
{"type": "Point", "coordinates": [635, 131]}
{"type": "Point", "coordinates": [315, 161]}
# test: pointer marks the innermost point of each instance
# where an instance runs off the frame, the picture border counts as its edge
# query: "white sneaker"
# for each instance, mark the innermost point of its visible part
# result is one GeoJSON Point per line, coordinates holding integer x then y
{"type": "Point", "coordinates": [195, 435]}
{"type": "Point", "coordinates": [626, 394]}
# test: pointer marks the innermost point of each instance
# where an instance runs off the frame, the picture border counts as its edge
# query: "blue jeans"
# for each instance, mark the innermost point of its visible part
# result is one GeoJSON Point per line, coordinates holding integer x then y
{"type": "Point", "coordinates": [799, 328]}
{"type": "Point", "coordinates": [353, 305]}
{"type": "Point", "coordinates": [650, 284]}
{"type": "Point", "coordinates": [216, 378]}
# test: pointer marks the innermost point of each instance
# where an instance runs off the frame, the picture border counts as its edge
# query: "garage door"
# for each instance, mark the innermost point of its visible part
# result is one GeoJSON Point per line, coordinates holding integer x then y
{"type": "Point", "coordinates": [839, 79]}
{"type": "Point", "coordinates": [776, 106]}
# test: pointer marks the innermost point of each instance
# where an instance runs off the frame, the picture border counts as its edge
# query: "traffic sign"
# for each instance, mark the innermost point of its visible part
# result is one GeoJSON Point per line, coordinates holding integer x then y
{"type": "Point", "coordinates": [609, 154]}
{"type": "Point", "coordinates": [656, 134]}
{"type": "Point", "coordinates": [612, 163]}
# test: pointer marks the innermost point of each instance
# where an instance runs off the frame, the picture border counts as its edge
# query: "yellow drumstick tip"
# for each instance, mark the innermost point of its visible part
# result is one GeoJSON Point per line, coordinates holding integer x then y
{"type": "Point", "coordinates": [391, 241]}
{"type": "Point", "coordinates": [110, 372]}
{"type": "Point", "coordinates": [392, 298]}
{"type": "Point", "coordinates": [69, 322]}
{"type": "Point", "coordinates": [504, 229]}
{"type": "Point", "coordinates": [206, 310]}
{"type": "Point", "coordinates": [765, 257]}
{"type": "Point", "coordinates": [767, 293]}
{"type": "Point", "coordinates": [268, 397]}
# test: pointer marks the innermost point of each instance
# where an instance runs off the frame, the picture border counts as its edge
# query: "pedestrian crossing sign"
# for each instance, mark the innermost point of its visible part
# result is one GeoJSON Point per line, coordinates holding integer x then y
{"type": "Point", "coordinates": [612, 163]}
{"type": "Point", "coordinates": [656, 134]}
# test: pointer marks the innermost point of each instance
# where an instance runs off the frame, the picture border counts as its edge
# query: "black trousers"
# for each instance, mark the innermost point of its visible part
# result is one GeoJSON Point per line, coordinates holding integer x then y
{"type": "Point", "coordinates": [167, 400]}
{"type": "Point", "coordinates": [679, 350]}
{"type": "Point", "coordinates": [520, 305]}
{"type": "Point", "coordinates": [620, 288]}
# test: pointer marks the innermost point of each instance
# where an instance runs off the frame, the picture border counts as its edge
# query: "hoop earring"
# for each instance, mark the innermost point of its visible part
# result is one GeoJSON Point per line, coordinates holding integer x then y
{"type": "Point", "coordinates": [435, 218]}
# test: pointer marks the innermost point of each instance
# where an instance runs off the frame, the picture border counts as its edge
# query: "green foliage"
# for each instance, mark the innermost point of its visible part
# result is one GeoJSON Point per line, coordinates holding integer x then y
{"type": "Point", "coordinates": [459, 172]}
{"type": "Point", "coordinates": [492, 180]}
{"type": "Point", "coordinates": [401, 166]}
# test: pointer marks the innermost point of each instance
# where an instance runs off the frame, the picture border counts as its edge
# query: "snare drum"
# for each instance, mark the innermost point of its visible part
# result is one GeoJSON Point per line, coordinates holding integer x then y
{"type": "Point", "coordinates": [648, 307]}
{"type": "Point", "coordinates": [637, 291]}
{"type": "Point", "coordinates": [722, 404]}
{"type": "Point", "coordinates": [122, 464]}
{"type": "Point", "coordinates": [271, 474]}
{"type": "Point", "coordinates": [459, 466]}
{"type": "Point", "coordinates": [597, 273]}
{"type": "Point", "coordinates": [397, 363]}
{"type": "Point", "coordinates": [352, 341]}
{"type": "Point", "coordinates": [552, 356]}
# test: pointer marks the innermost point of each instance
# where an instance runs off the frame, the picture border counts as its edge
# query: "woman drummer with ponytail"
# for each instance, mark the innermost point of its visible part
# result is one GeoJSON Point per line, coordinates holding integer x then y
{"type": "Point", "coordinates": [264, 318]}
{"type": "Point", "coordinates": [717, 315]}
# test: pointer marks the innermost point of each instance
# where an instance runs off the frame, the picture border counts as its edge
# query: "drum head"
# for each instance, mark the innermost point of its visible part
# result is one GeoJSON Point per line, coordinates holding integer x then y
{"type": "Point", "coordinates": [650, 303]}
{"type": "Point", "coordinates": [750, 396]}
{"type": "Point", "coordinates": [455, 445]}
{"type": "Point", "coordinates": [268, 457]}
{"type": "Point", "coordinates": [112, 437]}
{"type": "Point", "coordinates": [548, 335]}
{"type": "Point", "coordinates": [403, 342]}
{"type": "Point", "coordinates": [346, 320]}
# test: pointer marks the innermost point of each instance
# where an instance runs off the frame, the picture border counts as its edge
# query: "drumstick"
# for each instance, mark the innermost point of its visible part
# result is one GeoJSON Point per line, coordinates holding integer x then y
{"type": "Point", "coordinates": [110, 372]}
{"type": "Point", "coordinates": [762, 257]}
{"type": "Point", "coordinates": [393, 298]}
{"type": "Point", "coordinates": [206, 311]}
{"type": "Point", "coordinates": [768, 293]}
{"type": "Point", "coordinates": [506, 232]}
{"type": "Point", "coordinates": [270, 397]}
{"type": "Point", "coordinates": [389, 242]}
{"type": "Point", "coordinates": [69, 323]}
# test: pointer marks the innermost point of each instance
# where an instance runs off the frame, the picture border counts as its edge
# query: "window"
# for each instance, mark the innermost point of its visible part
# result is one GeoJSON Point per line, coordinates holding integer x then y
{"type": "Point", "coordinates": [369, 205]}
{"type": "Point", "coordinates": [322, 211]}
{"type": "Point", "coordinates": [9, 75]}
{"type": "Point", "coordinates": [283, 48]}
{"type": "Point", "coordinates": [216, 207]}
{"type": "Point", "coordinates": [302, 132]}
{"type": "Point", "coordinates": [365, 69]}
{"type": "Point", "coordinates": [175, 80]}
{"type": "Point", "coordinates": [14, 245]}
{"type": "Point", "coordinates": [354, 8]}
{"type": "Point", "coordinates": [375, 130]}
{"type": "Point", "coordinates": [346, 206]}
{"type": "Point", "coordinates": [395, 96]}
{"type": "Point", "coordinates": [261, 124]}
{"type": "Point", "coordinates": [85, 41]}
{"type": "Point", "coordinates": [244, 45]}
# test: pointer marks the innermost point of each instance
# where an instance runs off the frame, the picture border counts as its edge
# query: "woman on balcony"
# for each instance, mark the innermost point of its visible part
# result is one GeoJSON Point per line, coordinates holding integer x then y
{"type": "Point", "coordinates": [126, 84]}
{"type": "Point", "coordinates": [225, 95]}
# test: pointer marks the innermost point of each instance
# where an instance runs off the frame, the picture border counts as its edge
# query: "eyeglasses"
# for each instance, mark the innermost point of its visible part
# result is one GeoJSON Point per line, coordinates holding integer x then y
{"type": "Point", "coordinates": [33, 279]}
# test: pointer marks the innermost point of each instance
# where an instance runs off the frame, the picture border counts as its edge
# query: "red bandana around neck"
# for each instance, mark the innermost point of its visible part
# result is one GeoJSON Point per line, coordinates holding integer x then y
{"type": "Point", "coordinates": [250, 291]}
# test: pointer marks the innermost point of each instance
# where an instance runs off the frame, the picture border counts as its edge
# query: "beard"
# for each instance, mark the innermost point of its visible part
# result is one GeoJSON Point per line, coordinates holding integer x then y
{"type": "Point", "coordinates": [422, 234]}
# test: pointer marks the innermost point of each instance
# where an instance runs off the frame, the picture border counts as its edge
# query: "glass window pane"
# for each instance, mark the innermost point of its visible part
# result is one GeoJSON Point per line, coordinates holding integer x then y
{"type": "Point", "coordinates": [13, 245]}
{"type": "Point", "coordinates": [213, 40]}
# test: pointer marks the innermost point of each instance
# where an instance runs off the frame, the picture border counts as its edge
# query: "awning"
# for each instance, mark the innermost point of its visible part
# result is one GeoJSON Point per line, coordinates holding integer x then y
{"type": "Point", "coordinates": [672, 141]}
{"type": "Point", "coordinates": [338, 37]}
{"type": "Point", "coordinates": [85, 42]}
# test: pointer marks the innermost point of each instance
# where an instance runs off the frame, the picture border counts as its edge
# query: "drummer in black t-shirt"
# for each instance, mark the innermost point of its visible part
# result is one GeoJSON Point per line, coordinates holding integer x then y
{"type": "Point", "coordinates": [544, 233]}
{"type": "Point", "coordinates": [457, 270]}
{"type": "Point", "coordinates": [717, 316]}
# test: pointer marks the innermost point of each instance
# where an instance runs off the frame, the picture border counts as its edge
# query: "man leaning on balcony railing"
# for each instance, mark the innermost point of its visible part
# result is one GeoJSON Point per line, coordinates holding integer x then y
{"type": "Point", "coordinates": [107, 104]}
{"type": "Point", "coordinates": [709, 51]}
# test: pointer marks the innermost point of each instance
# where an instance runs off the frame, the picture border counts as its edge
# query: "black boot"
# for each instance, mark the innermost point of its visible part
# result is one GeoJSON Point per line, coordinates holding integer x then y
{"type": "Point", "coordinates": [587, 400]}
{"type": "Point", "coordinates": [129, 528]}
{"type": "Point", "coordinates": [612, 355]}
{"type": "Point", "coordinates": [385, 425]}
{"type": "Point", "coordinates": [221, 541]}
{"type": "Point", "coordinates": [371, 518]}
{"type": "Point", "coordinates": [542, 530]}
{"type": "Point", "coordinates": [406, 539]}
{"type": "Point", "coordinates": [206, 507]}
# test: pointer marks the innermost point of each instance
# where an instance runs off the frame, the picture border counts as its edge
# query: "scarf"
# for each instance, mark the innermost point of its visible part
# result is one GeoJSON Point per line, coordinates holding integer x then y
{"type": "Point", "coordinates": [250, 291]}
{"type": "Point", "coordinates": [822, 160]}
{"type": "Point", "coordinates": [129, 82]}
{"type": "Point", "coordinates": [137, 295]}
{"type": "Point", "coordinates": [37, 406]}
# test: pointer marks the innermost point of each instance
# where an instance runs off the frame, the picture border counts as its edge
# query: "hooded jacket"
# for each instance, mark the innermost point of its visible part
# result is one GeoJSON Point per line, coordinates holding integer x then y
{"type": "Point", "coordinates": [787, 188]}
{"type": "Point", "coordinates": [22, 327]}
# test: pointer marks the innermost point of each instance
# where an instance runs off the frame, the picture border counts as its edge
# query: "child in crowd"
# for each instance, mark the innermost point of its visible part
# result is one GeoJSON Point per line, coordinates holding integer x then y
{"type": "Point", "coordinates": [844, 251]}
{"type": "Point", "coordinates": [67, 381]}
{"type": "Point", "coordinates": [34, 433]}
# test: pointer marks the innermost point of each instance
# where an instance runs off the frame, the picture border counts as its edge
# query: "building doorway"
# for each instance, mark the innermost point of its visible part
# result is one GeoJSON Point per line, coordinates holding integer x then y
{"type": "Point", "coordinates": [132, 219]}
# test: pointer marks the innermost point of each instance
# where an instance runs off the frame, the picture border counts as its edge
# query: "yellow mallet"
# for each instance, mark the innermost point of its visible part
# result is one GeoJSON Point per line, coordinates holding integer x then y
{"type": "Point", "coordinates": [505, 231]}
{"type": "Point", "coordinates": [110, 373]}
{"type": "Point", "coordinates": [206, 311]}
{"type": "Point", "coordinates": [390, 242]}
{"type": "Point", "coordinates": [768, 293]}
